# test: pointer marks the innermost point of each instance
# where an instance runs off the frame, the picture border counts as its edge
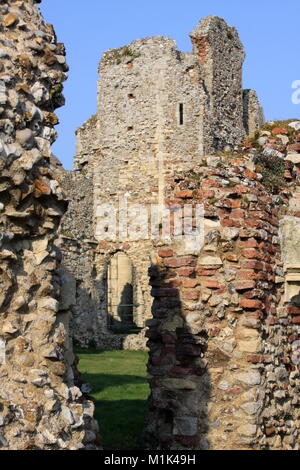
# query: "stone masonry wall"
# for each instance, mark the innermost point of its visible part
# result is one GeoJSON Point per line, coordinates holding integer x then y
{"type": "Point", "coordinates": [221, 55]}
{"type": "Point", "coordinates": [40, 407]}
{"type": "Point", "coordinates": [159, 110]}
{"type": "Point", "coordinates": [253, 113]}
{"type": "Point", "coordinates": [221, 364]}
{"type": "Point", "coordinates": [85, 268]}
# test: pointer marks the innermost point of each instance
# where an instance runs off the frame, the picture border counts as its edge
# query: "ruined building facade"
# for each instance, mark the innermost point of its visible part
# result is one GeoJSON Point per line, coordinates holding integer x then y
{"type": "Point", "coordinates": [223, 329]}
{"type": "Point", "coordinates": [159, 111]}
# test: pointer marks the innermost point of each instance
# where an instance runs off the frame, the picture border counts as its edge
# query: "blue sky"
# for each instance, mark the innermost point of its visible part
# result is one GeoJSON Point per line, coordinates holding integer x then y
{"type": "Point", "coordinates": [269, 30]}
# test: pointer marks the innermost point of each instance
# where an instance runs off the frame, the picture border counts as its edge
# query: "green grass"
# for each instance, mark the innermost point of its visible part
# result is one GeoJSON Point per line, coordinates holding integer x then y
{"type": "Point", "coordinates": [120, 389]}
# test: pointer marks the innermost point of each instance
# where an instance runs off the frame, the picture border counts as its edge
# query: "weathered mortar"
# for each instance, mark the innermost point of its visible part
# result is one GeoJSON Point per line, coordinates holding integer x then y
{"type": "Point", "coordinates": [40, 407]}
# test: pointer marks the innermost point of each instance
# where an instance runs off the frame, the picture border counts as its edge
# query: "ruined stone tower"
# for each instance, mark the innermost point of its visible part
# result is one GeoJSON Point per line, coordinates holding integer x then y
{"type": "Point", "coordinates": [159, 111]}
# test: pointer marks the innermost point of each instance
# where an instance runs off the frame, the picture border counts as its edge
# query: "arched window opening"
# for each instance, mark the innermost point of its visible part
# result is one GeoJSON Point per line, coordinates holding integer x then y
{"type": "Point", "coordinates": [122, 309]}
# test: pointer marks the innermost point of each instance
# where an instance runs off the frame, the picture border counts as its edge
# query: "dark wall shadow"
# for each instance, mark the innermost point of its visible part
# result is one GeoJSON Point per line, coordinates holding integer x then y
{"type": "Point", "coordinates": [178, 417]}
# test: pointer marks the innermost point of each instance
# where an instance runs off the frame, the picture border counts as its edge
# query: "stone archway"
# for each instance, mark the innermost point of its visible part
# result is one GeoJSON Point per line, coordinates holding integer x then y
{"type": "Point", "coordinates": [120, 291]}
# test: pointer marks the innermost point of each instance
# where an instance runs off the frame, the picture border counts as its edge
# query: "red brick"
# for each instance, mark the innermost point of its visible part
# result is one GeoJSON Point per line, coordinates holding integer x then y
{"type": "Point", "coordinates": [41, 186]}
{"type": "Point", "coordinates": [190, 283]}
{"type": "Point", "coordinates": [186, 271]}
{"type": "Point", "coordinates": [247, 274]}
{"type": "Point", "coordinates": [191, 294]}
{"type": "Point", "coordinates": [255, 223]}
{"type": "Point", "coordinates": [250, 174]}
{"type": "Point", "coordinates": [213, 285]}
{"type": "Point", "coordinates": [259, 358]}
{"type": "Point", "coordinates": [250, 243]}
{"type": "Point", "coordinates": [252, 265]}
{"type": "Point", "coordinates": [253, 294]}
{"type": "Point", "coordinates": [171, 203]}
{"type": "Point", "coordinates": [296, 320]}
{"type": "Point", "coordinates": [166, 253]}
{"type": "Point", "coordinates": [248, 303]}
{"type": "Point", "coordinates": [235, 203]}
{"type": "Point", "coordinates": [244, 285]}
{"type": "Point", "coordinates": [184, 194]}
{"type": "Point", "coordinates": [206, 272]}
{"type": "Point", "coordinates": [293, 310]}
{"type": "Point", "coordinates": [295, 147]}
{"type": "Point", "coordinates": [280, 130]}
{"type": "Point", "coordinates": [241, 189]}
{"type": "Point", "coordinates": [212, 183]}
{"type": "Point", "coordinates": [206, 193]}
{"type": "Point", "coordinates": [179, 262]}
{"type": "Point", "coordinates": [251, 253]}
{"type": "Point", "coordinates": [230, 223]}
{"type": "Point", "coordinates": [237, 214]}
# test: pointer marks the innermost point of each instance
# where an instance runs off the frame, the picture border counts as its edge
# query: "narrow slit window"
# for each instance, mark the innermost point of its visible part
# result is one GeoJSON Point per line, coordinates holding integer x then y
{"type": "Point", "coordinates": [181, 114]}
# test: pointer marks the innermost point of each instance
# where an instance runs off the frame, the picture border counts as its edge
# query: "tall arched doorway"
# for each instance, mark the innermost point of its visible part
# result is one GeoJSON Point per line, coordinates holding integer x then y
{"type": "Point", "coordinates": [120, 292]}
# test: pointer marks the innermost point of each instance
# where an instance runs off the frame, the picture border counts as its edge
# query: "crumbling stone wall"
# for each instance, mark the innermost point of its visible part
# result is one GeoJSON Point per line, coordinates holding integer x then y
{"type": "Point", "coordinates": [159, 110]}
{"type": "Point", "coordinates": [253, 113]}
{"type": "Point", "coordinates": [222, 371]}
{"type": "Point", "coordinates": [85, 268]}
{"type": "Point", "coordinates": [40, 407]}
{"type": "Point", "coordinates": [87, 143]}
{"type": "Point", "coordinates": [221, 55]}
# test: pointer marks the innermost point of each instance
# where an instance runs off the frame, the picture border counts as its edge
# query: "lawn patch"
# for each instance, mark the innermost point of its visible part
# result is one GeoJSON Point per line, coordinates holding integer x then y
{"type": "Point", "coordinates": [120, 388]}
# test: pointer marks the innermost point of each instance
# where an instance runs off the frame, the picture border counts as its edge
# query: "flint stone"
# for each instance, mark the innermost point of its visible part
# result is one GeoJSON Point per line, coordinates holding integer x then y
{"type": "Point", "coordinates": [67, 415]}
{"type": "Point", "coordinates": [251, 408]}
{"type": "Point", "coordinates": [185, 426]}
{"type": "Point", "coordinates": [224, 385]}
{"type": "Point", "coordinates": [3, 441]}
{"type": "Point", "coordinates": [68, 292]}
{"type": "Point", "coordinates": [293, 157]}
{"type": "Point", "coordinates": [247, 430]}
{"type": "Point", "coordinates": [49, 304]}
{"type": "Point", "coordinates": [250, 378]}
{"type": "Point", "coordinates": [295, 125]}
{"type": "Point", "coordinates": [25, 138]}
